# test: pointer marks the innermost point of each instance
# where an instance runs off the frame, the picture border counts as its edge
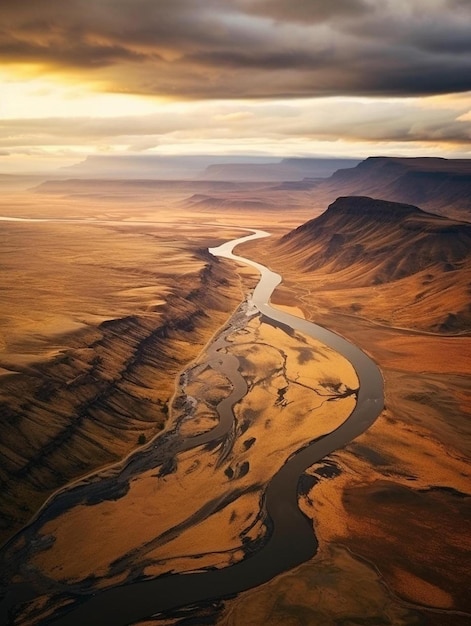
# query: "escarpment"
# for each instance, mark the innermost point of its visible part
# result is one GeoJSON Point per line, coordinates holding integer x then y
{"type": "Point", "coordinates": [105, 394]}
{"type": "Point", "coordinates": [386, 261]}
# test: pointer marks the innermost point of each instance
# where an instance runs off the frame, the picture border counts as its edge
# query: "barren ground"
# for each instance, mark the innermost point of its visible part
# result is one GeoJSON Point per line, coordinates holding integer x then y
{"type": "Point", "coordinates": [393, 519]}
{"type": "Point", "coordinates": [98, 321]}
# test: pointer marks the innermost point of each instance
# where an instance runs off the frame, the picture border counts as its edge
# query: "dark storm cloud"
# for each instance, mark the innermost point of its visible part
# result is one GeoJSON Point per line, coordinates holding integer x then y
{"type": "Point", "coordinates": [292, 60]}
{"type": "Point", "coordinates": [237, 48]}
{"type": "Point", "coordinates": [305, 10]}
{"type": "Point", "coordinates": [77, 54]}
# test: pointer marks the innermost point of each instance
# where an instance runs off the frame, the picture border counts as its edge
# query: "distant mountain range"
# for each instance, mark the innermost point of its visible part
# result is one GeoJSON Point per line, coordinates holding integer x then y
{"type": "Point", "coordinates": [217, 168]}
{"type": "Point", "coordinates": [439, 185]}
{"type": "Point", "coordinates": [291, 169]}
{"type": "Point", "coordinates": [153, 167]}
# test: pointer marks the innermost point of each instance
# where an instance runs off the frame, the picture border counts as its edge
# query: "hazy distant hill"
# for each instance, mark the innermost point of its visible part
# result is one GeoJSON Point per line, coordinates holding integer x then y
{"type": "Point", "coordinates": [16, 182]}
{"type": "Point", "coordinates": [154, 167]}
{"type": "Point", "coordinates": [231, 202]}
{"type": "Point", "coordinates": [419, 264]}
{"type": "Point", "coordinates": [439, 185]}
{"type": "Point", "coordinates": [217, 168]}
{"type": "Point", "coordinates": [131, 188]}
{"type": "Point", "coordinates": [291, 169]}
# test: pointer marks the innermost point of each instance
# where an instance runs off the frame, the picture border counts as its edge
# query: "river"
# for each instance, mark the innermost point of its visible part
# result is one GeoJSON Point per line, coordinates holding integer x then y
{"type": "Point", "coordinates": [291, 540]}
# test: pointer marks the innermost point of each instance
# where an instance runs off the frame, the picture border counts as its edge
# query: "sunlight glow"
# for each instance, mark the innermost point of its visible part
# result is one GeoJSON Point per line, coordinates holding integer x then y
{"type": "Point", "coordinates": [48, 120]}
{"type": "Point", "coordinates": [30, 95]}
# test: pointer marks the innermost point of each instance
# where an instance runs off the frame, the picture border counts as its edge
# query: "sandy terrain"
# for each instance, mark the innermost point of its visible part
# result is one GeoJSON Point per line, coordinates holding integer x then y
{"type": "Point", "coordinates": [96, 321]}
{"type": "Point", "coordinates": [390, 510]}
{"type": "Point", "coordinates": [296, 392]}
{"type": "Point", "coordinates": [393, 518]}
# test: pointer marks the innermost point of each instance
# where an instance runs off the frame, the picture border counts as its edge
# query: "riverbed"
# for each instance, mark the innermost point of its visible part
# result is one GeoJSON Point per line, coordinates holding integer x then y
{"type": "Point", "coordinates": [289, 540]}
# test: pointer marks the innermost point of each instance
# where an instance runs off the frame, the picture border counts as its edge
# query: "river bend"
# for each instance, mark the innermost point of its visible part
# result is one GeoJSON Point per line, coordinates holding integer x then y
{"type": "Point", "coordinates": [291, 540]}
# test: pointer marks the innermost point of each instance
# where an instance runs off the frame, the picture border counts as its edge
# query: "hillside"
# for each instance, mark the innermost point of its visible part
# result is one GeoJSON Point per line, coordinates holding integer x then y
{"type": "Point", "coordinates": [395, 281]}
{"type": "Point", "coordinates": [227, 203]}
{"type": "Point", "coordinates": [441, 186]}
{"type": "Point", "coordinates": [96, 322]}
{"type": "Point", "coordinates": [388, 261]}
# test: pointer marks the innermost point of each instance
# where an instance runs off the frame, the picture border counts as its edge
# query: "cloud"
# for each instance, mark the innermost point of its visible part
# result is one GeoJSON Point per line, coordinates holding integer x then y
{"type": "Point", "coordinates": [312, 11]}
{"type": "Point", "coordinates": [244, 123]}
{"type": "Point", "coordinates": [235, 75]}
{"type": "Point", "coordinates": [197, 49]}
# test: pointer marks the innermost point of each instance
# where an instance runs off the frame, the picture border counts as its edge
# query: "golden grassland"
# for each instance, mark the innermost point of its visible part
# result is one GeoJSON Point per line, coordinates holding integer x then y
{"type": "Point", "coordinates": [396, 511]}
{"type": "Point", "coordinates": [390, 510]}
{"type": "Point", "coordinates": [163, 523]}
{"type": "Point", "coordinates": [96, 320]}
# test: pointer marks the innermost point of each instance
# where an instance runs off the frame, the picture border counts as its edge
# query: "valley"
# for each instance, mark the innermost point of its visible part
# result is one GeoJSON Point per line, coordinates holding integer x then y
{"type": "Point", "coordinates": [124, 335]}
{"type": "Point", "coordinates": [235, 313]}
{"type": "Point", "coordinates": [413, 463]}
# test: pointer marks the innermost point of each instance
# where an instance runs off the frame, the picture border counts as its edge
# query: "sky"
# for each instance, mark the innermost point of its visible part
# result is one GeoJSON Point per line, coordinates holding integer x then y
{"type": "Point", "coordinates": [258, 77]}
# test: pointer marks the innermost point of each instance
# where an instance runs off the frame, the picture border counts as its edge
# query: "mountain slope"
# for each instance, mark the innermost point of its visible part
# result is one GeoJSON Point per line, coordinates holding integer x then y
{"type": "Point", "coordinates": [391, 262]}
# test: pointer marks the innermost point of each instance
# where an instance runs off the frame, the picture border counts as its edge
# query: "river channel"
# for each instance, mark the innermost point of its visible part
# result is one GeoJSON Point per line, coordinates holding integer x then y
{"type": "Point", "coordinates": [290, 538]}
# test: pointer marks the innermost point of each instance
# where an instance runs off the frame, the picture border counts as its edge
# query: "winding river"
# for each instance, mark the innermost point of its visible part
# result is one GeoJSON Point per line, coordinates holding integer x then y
{"type": "Point", "coordinates": [291, 540]}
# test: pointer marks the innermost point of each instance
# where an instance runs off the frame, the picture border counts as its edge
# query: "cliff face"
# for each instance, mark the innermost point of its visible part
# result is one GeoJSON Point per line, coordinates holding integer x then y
{"type": "Point", "coordinates": [408, 256]}
{"type": "Point", "coordinates": [439, 185]}
{"type": "Point", "coordinates": [89, 406]}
